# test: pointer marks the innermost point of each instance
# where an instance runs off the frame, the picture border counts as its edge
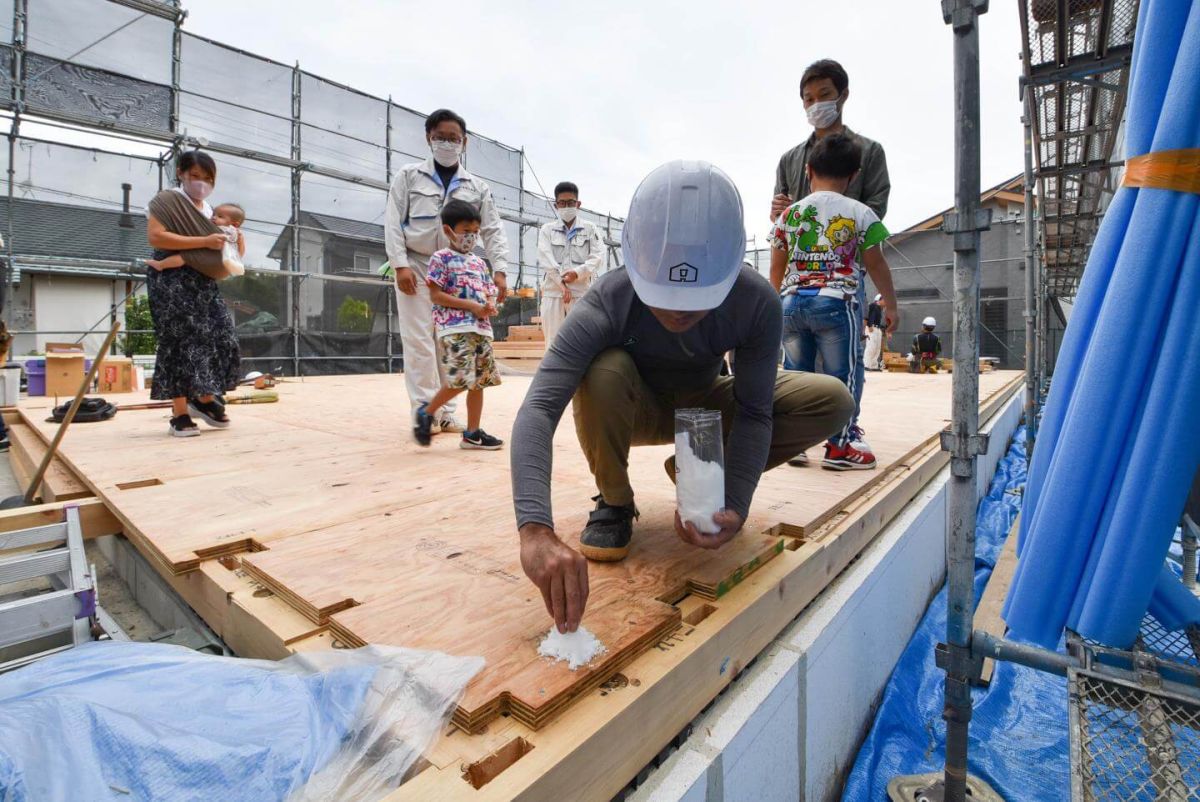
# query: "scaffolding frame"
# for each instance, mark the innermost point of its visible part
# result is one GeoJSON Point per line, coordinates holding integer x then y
{"type": "Point", "coordinates": [1163, 683]}
{"type": "Point", "coordinates": [520, 207]}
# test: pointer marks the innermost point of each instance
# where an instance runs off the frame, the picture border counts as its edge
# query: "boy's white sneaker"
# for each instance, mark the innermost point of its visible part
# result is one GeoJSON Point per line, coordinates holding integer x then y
{"type": "Point", "coordinates": [449, 423]}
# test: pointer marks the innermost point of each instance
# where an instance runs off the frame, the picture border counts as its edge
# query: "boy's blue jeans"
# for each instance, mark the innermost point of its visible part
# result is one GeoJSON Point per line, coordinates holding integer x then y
{"type": "Point", "coordinates": [817, 324]}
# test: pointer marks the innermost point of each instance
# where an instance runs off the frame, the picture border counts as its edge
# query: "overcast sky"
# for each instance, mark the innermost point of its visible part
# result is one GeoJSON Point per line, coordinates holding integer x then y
{"type": "Point", "coordinates": [602, 93]}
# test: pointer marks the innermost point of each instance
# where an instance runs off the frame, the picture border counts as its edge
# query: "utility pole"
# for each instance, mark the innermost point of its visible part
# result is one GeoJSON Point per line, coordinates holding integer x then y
{"type": "Point", "coordinates": [963, 440]}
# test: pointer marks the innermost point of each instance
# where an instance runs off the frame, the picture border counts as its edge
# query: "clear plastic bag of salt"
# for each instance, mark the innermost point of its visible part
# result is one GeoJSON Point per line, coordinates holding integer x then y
{"type": "Point", "coordinates": [699, 467]}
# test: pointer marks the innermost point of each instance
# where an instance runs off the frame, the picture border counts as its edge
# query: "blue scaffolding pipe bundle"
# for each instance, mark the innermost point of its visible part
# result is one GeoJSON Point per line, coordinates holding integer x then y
{"type": "Point", "coordinates": [1119, 442]}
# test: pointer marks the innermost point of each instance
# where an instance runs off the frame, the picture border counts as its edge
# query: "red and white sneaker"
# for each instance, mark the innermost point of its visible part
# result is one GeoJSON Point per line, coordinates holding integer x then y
{"type": "Point", "coordinates": [847, 458]}
{"type": "Point", "coordinates": [858, 440]}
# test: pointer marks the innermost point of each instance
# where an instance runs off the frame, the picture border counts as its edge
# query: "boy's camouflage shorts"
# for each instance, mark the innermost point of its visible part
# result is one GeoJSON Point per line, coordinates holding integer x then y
{"type": "Point", "coordinates": [469, 362]}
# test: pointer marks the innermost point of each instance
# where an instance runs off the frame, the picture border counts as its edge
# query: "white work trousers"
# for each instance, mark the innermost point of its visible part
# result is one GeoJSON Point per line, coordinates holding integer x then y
{"type": "Point", "coordinates": [873, 358]}
{"type": "Point", "coordinates": [424, 373]}
{"type": "Point", "coordinates": [554, 312]}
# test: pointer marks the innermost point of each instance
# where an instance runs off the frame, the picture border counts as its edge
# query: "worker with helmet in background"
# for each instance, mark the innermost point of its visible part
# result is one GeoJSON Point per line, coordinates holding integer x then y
{"type": "Point", "coordinates": [927, 348]}
{"type": "Point", "coordinates": [647, 340]}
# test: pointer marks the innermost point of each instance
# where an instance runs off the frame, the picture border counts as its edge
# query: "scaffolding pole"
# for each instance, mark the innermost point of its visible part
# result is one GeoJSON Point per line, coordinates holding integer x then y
{"type": "Point", "coordinates": [1031, 291]}
{"type": "Point", "coordinates": [295, 286]}
{"type": "Point", "coordinates": [963, 440]}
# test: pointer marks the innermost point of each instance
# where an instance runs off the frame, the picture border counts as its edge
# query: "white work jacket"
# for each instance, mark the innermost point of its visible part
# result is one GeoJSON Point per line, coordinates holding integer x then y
{"type": "Point", "coordinates": [413, 222]}
{"type": "Point", "coordinates": [562, 248]}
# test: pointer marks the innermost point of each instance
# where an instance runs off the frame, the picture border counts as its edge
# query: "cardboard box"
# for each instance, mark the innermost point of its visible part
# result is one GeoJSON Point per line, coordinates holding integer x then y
{"type": "Point", "coordinates": [65, 369]}
{"type": "Point", "coordinates": [116, 375]}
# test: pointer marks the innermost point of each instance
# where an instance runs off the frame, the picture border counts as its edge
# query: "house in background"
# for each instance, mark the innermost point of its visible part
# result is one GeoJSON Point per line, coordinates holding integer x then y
{"type": "Point", "coordinates": [922, 256]}
{"type": "Point", "coordinates": [340, 248]}
{"type": "Point", "coordinates": [72, 265]}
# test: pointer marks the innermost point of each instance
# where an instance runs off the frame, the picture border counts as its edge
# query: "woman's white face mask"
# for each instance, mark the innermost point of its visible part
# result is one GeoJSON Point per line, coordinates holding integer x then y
{"type": "Point", "coordinates": [197, 189]}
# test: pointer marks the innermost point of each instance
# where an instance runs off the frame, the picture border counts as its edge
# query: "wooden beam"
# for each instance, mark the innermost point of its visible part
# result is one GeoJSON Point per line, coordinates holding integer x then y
{"type": "Point", "coordinates": [93, 515]}
{"type": "Point", "coordinates": [988, 615]}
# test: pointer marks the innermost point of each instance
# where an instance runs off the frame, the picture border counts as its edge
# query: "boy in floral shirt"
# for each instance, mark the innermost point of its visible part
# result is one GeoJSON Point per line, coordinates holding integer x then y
{"type": "Point", "coordinates": [464, 301]}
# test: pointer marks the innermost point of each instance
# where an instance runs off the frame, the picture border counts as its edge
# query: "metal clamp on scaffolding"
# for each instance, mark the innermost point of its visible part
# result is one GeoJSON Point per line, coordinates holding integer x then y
{"type": "Point", "coordinates": [963, 450]}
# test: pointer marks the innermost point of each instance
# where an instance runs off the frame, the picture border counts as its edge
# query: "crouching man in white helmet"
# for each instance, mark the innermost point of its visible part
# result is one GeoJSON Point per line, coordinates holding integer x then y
{"type": "Point", "coordinates": [645, 341]}
{"type": "Point", "coordinates": [927, 348]}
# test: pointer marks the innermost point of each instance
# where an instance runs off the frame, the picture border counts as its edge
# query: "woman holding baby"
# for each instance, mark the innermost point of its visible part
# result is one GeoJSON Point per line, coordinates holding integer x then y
{"type": "Point", "coordinates": [198, 357]}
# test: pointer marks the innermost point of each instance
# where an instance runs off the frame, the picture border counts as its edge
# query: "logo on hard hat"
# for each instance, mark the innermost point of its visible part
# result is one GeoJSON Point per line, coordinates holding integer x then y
{"type": "Point", "coordinates": [683, 273]}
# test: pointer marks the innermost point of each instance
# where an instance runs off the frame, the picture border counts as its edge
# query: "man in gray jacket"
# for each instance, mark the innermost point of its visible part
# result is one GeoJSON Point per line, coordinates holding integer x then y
{"type": "Point", "coordinates": [643, 342]}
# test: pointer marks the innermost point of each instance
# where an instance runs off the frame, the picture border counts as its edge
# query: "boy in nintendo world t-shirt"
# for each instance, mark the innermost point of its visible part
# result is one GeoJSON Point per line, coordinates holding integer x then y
{"type": "Point", "coordinates": [821, 245]}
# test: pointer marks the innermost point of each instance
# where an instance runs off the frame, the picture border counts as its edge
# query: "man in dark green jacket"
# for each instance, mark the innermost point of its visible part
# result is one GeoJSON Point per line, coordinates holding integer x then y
{"type": "Point", "coordinates": [824, 87]}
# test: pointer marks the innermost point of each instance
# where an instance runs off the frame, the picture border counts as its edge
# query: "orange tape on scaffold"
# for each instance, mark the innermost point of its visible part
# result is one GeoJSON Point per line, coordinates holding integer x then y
{"type": "Point", "coordinates": [1178, 170]}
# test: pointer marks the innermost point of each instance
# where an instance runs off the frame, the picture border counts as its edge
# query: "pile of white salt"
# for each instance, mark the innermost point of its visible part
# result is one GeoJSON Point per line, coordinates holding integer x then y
{"type": "Point", "coordinates": [578, 648]}
{"type": "Point", "coordinates": [699, 486]}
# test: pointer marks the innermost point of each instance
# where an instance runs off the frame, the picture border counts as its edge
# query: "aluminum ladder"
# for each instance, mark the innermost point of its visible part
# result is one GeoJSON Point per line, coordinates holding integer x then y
{"type": "Point", "coordinates": [59, 614]}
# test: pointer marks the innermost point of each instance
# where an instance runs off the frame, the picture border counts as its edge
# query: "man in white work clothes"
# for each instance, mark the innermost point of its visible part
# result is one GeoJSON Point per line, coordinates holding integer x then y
{"type": "Point", "coordinates": [413, 231]}
{"type": "Point", "coordinates": [570, 251]}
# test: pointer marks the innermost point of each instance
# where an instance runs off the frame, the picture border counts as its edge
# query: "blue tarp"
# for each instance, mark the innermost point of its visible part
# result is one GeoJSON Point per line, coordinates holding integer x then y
{"type": "Point", "coordinates": [1120, 439]}
{"type": "Point", "coordinates": [148, 721]}
{"type": "Point", "coordinates": [1018, 737]}
{"type": "Point", "coordinates": [141, 721]}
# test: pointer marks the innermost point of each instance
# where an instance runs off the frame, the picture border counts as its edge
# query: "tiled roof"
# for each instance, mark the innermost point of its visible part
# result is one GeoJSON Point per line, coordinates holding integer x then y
{"type": "Point", "coordinates": [42, 228]}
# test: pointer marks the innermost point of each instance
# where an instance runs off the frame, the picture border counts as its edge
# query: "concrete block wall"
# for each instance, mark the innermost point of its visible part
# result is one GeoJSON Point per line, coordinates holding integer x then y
{"type": "Point", "coordinates": [790, 726]}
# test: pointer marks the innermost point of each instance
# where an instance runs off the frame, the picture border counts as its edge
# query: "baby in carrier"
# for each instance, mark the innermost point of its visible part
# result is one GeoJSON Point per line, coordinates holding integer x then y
{"type": "Point", "coordinates": [229, 218]}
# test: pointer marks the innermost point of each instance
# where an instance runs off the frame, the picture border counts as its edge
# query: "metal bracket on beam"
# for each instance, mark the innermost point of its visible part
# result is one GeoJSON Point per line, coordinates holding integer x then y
{"type": "Point", "coordinates": [963, 451]}
{"type": "Point", "coordinates": [961, 14]}
{"type": "Point", "coordinates": [960, 661]}
{"type": "Point", "coordinates": [964, 227]}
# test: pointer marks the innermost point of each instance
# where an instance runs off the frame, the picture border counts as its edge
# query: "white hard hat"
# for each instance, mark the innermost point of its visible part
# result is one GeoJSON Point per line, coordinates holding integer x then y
{"type": "Point", "coordinates": [878, 296]}
{"type": "Point", "coordinates": [929, 322]}
{"type": "Point", "coordinates": [684, 241]}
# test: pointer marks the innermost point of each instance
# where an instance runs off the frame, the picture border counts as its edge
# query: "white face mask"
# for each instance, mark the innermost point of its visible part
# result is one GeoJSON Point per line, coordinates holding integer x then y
{"type": "Point", "coordinates": [197, 189]}
{"type": "Point", "coordinates": [822, 114]}
{"type": "Point", "coordinates": [567, 215]}
{"type": "Point", "coordinates": [465, 243]}
{"type": "Point", "coordinates": [445, 153]}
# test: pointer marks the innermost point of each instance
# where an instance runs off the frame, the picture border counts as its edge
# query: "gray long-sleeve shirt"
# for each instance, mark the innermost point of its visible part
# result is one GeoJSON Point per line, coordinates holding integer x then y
{"type": "Point", "coordinates": [749, 322]}
{"type": "Point", "coordinates": [870, 186]}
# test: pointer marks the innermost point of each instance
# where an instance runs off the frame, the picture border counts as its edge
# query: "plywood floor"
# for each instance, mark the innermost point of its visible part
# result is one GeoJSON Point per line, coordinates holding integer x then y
{"type": "Point", "coordinates": [325, 499]}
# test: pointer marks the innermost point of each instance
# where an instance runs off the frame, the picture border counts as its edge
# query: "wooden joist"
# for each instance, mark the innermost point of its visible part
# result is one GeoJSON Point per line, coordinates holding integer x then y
{"type": "Point", "coordinates": [26, 451]}
{"type": "Point", "coordinates": [989, 614]}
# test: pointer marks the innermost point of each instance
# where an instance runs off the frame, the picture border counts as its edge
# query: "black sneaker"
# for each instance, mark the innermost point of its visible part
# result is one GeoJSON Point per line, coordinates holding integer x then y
{"type": "Point", "coordinates": [211, 412]}
{"type": "Point", "coordinates": [4, 445]}
{"type": "Point", "coordinates": [478, 440]}
{"type": "Point", "coordinates": [422, 426]}
{"type": "Point", "coordinates": [608, 532]}
{"type": "Point", "coordinates": [184, 426]}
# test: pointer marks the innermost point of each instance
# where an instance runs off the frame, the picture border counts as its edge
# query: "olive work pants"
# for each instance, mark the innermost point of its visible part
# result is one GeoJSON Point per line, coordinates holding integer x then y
{"type": "Point", "coordinates": [615, 409]}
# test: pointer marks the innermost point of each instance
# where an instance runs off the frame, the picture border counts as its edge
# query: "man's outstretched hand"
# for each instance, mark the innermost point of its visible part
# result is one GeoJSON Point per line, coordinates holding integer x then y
{"type": "Point", "coordinates": [560, 573]}
{"type": "Point", "coordinates": [729, 521]}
